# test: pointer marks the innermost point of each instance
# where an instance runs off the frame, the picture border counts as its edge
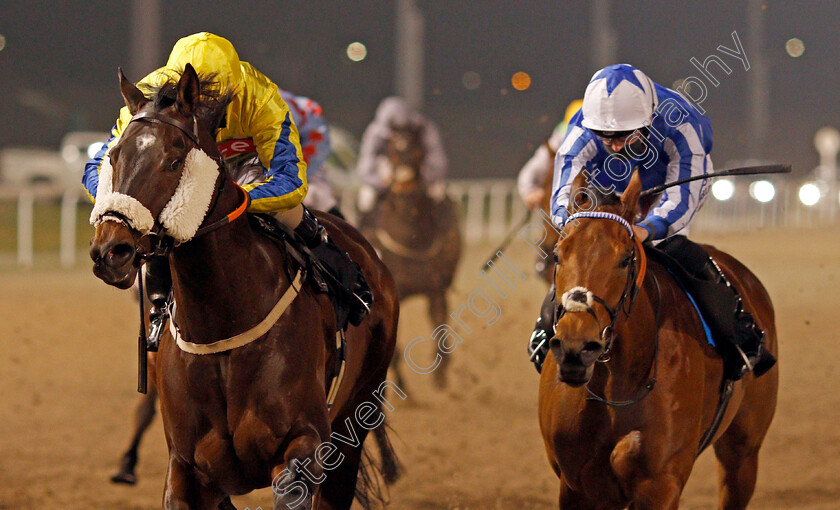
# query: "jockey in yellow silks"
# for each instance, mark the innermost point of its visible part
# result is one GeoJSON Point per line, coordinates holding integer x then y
{"type": "Point", "coordinates": [257, 121]}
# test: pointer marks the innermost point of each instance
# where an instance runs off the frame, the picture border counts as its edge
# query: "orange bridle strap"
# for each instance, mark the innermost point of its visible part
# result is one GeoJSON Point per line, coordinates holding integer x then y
{"type": "Point", "coordinates": [640, 278]}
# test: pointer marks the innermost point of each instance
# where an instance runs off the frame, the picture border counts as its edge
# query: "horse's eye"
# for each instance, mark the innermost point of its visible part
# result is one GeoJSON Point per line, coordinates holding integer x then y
{"type": "Point", "coordinates": [626, 261]}
{"type": "Point", "coordinates": [175, 165]}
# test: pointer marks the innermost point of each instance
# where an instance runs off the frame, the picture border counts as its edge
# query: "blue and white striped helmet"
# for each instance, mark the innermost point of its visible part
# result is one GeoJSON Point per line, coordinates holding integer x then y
{"type": "Point", "coordinates": [618, 98]}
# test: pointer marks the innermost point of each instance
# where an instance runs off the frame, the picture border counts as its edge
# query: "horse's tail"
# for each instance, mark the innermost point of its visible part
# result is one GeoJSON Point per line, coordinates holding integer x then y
{"type": "Point", "coordinates": [369, 489]}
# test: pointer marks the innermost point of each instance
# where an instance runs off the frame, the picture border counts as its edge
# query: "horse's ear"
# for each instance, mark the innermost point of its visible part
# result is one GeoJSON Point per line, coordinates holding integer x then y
{"type": "Point", "coordinates": [134, 99]}
{"type": "Point", "coordinates": [188, 91]}
{"type": "Point", "coordinates": [630, 197]}
{"type": "Point", "coordinates": [578, 196]}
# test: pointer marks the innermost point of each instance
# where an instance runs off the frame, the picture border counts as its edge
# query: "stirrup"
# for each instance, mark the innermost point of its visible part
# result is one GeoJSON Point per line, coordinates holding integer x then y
{"type": "Point", "coordinates": [157, 324]}
{"type": "Point", "coordinates": [538, 347]}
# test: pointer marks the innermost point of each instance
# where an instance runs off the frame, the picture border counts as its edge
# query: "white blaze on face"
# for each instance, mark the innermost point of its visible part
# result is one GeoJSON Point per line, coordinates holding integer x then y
{"type": "Point", "coordinates": [144, 141]}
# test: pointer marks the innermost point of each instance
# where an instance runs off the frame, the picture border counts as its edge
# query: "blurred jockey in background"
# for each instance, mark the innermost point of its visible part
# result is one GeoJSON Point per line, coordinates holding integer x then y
{"type": "Point", "coordinates": [532, 177]}
{"type": "Point", "coordinates": [373, 168]}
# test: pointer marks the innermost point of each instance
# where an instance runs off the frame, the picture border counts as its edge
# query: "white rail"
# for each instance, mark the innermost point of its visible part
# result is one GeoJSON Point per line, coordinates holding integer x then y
{"type": "Point", "coordinates": [490, 208]}
{"type": "Point", "coordinates": [26, 198]}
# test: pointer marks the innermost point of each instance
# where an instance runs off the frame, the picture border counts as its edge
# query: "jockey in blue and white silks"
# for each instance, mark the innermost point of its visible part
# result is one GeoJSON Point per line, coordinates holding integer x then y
{"type": "Point", "coordinates": [628, 121]}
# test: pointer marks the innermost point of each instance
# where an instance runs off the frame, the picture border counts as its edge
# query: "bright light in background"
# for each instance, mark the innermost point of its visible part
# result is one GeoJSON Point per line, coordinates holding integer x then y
{"type": "Point", "coordinates": [521, 81]}
{"type": "Point", "coordinates": [94, 148]}
{"type": "Point", "coordinates": [763, 191]}
{"type": "Point", "coordinates": [2, 42]}
{"type": "Point", "coordinates": [356, 51]}
{"type": "Point", "coordinates": [471, 80]}
{"type": "Point", "coordinates": [809, 194]}
{"type": "Point", "coordinates": [723, 190]}
{"type": "Point", "coordinates": [795, 47]}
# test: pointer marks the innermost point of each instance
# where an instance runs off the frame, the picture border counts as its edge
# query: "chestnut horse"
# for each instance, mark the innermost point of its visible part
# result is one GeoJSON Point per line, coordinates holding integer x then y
{"type": "Point", "coordinates": [418, 238]}
{"type": "Point", "coordinates": [255, 414]}
{"type": "Point", "coordinates": [625, 431]}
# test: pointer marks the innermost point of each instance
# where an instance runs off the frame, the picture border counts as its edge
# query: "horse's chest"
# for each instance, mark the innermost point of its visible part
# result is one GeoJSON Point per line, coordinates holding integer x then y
{"type": "Point", "coordinates": [583, 448]}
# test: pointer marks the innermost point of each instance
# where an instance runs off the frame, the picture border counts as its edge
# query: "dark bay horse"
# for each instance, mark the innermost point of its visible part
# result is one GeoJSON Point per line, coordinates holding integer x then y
{"type": "Point", "coordinates": [244, 415]}
{"type": "Point", "coordinates": [418, 237]}
{"type": "Point", "coordinates": [647, 354]}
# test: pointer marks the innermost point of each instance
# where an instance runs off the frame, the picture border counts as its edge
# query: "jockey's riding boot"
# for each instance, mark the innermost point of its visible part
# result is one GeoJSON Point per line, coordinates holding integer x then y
{"type": "Point", "coordinates": [345, 272]}
{"type": "Point", "coordinates": [159, 291]}
{"type": "Point", "coordinates": [543, 331]}
{"type": "Point", "coordinates": [723, 310]}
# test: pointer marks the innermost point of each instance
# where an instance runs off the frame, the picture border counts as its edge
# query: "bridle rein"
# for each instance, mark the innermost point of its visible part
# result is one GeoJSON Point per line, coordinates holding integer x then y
{"type": "Point", "coordinates": [580, 299]}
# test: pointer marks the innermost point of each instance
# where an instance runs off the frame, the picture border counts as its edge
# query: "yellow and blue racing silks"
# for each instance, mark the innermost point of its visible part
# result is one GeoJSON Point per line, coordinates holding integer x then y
{"type": "Point", "coordinates": [258, 120]}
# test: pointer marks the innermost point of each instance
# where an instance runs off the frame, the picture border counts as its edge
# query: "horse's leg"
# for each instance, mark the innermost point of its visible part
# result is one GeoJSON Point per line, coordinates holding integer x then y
{"type": "Point", "coordinates": [181, 490]}
{"type": "Point", "coordinates": [340, 486]}
{"type": "Point", "coordinates": [143, 416]}
{"type": "Point", "coordinates": [396, 366]}
{"type": "Point", "coordinates": [572, 500]}
{"type": "Point", "coordinates": [294, 481]}
{"type": "Point", "coordinates": [737, 455]}
{"type": "Point", "coordinates": [737, 448]}
{"type": "Point", "coordinates": [661, 492]}
{"type": "Point", "coordinates": [438, 313]}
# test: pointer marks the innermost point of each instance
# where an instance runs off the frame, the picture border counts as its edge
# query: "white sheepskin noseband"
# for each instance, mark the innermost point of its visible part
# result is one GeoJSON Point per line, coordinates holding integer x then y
{"type": "Point", "coordinates": [576, 304]}
{"type": "Point", "coordinates": [184, 212]}
{"type": "Point", "coordinates": [189, 204]}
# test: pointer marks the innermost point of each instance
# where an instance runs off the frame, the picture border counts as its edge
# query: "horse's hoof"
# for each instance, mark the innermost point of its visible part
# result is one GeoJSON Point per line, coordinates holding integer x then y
{"type": "Point", "coordinates": [287, 489]}
{"type": "Point", "coordinates": [124, 478]}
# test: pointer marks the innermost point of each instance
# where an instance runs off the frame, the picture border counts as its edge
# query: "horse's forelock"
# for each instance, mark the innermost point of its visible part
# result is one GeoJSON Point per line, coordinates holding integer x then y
{"type": "Point", "coordinates": [212, 103]}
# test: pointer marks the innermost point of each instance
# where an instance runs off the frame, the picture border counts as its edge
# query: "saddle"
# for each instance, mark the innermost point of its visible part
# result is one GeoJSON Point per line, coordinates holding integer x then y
{"type": "Point", "coordinates": [336, 283]}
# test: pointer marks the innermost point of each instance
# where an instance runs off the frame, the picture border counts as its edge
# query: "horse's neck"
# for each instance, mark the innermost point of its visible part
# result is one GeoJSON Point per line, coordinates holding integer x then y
{"type": "Point", "coordinates": [225, 281]}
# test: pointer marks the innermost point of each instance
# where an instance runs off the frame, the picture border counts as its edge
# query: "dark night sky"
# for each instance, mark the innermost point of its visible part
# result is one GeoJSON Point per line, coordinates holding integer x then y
{"type": "Point", "coordinates": [57, 71]}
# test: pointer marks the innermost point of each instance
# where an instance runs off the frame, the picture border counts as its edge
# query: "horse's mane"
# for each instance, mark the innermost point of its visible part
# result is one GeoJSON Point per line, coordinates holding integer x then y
{"type": "Point", "coordinates": [212, 103]}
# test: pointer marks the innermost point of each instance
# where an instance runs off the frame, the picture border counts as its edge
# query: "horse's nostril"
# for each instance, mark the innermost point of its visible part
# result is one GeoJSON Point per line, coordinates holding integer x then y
{"type": "Point", "coordinates": [120, 253]}
{"type": "Point", "coordinates": [591, 347]}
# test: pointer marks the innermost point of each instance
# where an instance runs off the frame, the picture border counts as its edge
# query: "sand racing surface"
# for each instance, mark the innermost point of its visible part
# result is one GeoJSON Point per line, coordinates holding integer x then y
{"type": "Point", "coordinates": [68, 377]}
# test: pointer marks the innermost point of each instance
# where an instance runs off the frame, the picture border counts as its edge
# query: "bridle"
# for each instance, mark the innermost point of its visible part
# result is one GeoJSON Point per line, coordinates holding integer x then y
{"type": "Point", "coordinates": [579, 299]}
{"type": "Point", "coordinates": [157, 242]}
{"type": "Point", "coordinates": [635, 277]}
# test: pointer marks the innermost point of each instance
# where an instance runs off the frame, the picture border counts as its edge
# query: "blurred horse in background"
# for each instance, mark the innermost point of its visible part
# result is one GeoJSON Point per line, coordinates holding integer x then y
{"type": "Point", "coordinates": [418, 237]}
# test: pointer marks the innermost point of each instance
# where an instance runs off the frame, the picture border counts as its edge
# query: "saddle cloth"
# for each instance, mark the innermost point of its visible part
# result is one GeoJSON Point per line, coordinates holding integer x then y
{"type": "Point", "coordinates": [680, 275]}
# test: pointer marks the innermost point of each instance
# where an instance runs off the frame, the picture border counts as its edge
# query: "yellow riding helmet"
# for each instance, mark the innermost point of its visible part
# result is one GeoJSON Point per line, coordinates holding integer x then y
{"type": "Point", "coordinates": [208, 53]}
{"type": "Point", "coordinates": [572, 109]}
